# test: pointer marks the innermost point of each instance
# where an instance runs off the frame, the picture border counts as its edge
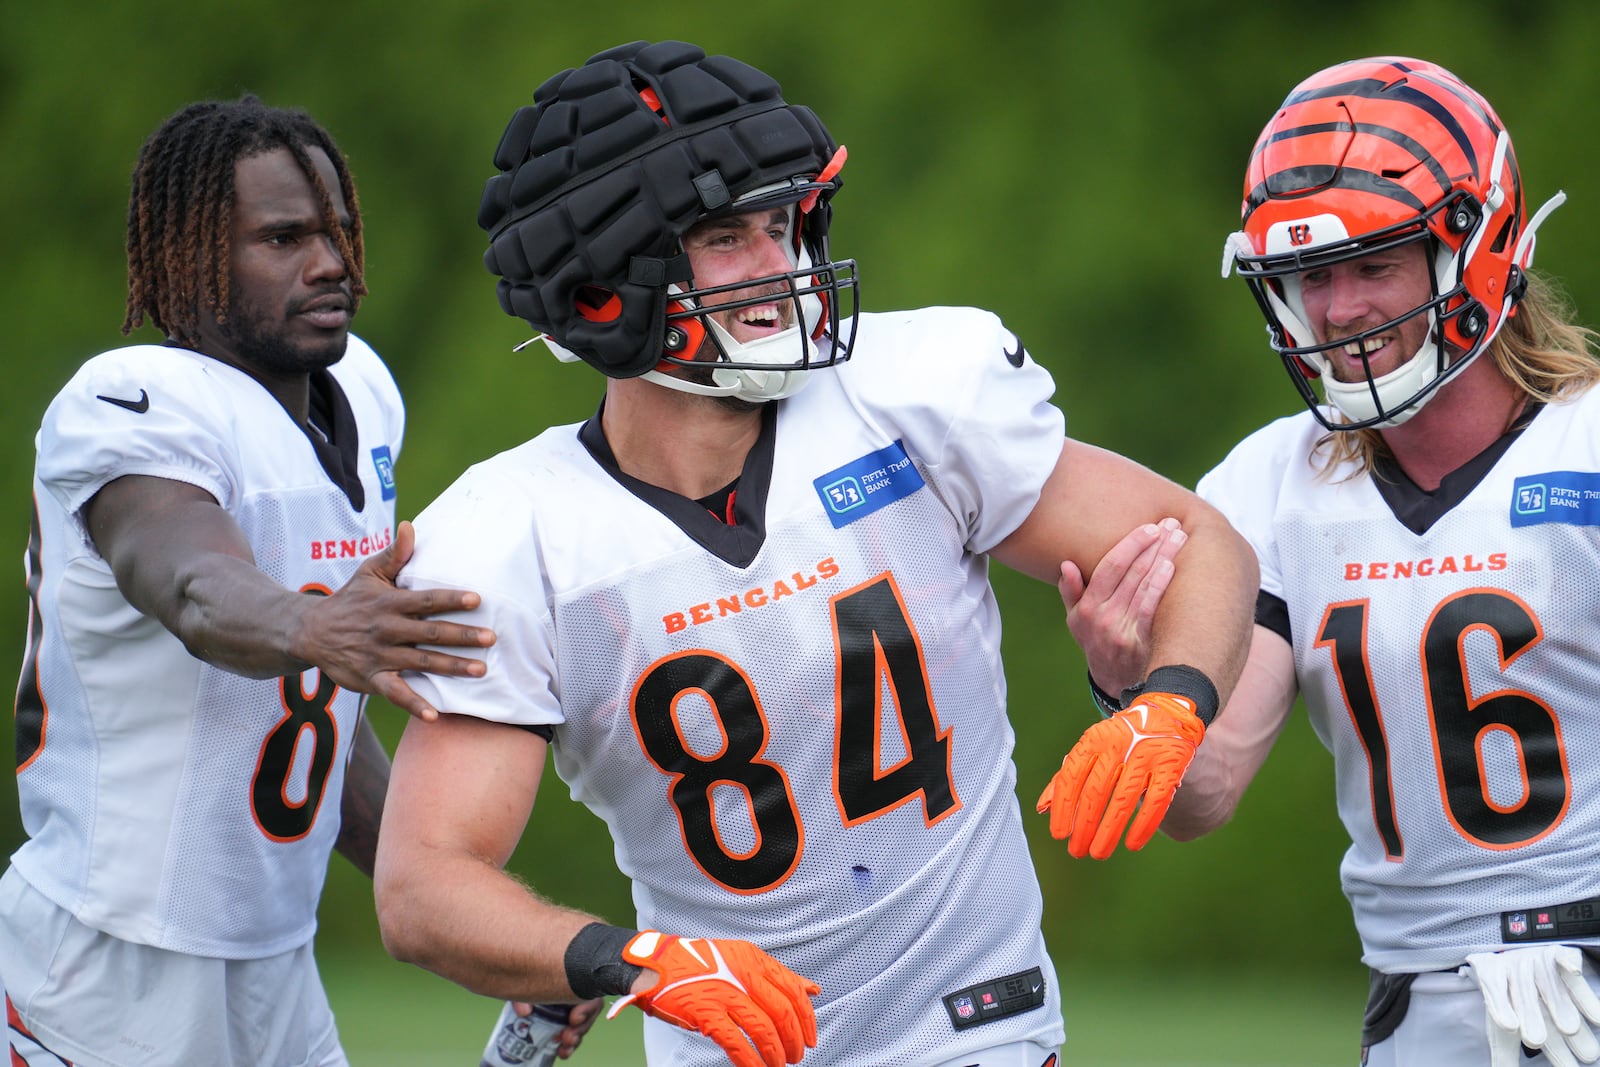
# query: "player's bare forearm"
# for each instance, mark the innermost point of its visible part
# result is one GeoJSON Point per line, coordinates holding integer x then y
{"type": "Point", "coordinates": [476, 925]}
{"type": "Point", "coordinates": [1237, 743]}
{"type": "Point", "coordinates": [366, 780]}
{"type": "Point", "coordinates": [230, 614]}
{"type": "Point", "coordinates": [1208, 612]}
{"type": "Point", "coordinates": [180, 558]}
{"type": "Point", "coordinates": [462, 791]}
{"type": "Point", "coordinates": [472, 923]}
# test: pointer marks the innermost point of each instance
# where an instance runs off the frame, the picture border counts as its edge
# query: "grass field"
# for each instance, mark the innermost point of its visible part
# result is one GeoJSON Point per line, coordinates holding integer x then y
{"type": "Point", "coordinates": [395, 1016]}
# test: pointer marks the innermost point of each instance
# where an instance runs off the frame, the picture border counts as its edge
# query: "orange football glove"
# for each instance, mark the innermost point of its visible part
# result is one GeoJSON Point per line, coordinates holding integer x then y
{"type": "Point", "coordinates": [726, 990]}
{"type": "Point", "coordinates": [1141, 751]}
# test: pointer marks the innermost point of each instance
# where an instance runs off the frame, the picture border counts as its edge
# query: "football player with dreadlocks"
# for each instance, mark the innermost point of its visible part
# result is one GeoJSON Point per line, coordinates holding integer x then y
{"type": "Point", "coordinates": [746, 606]}
{"type": "Point", "coordinates": [1426, 535]}
{"type": "Point", "coordinates": [211, 574]}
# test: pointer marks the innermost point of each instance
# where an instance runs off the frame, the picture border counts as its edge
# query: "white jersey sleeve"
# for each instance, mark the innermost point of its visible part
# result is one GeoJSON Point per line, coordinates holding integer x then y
{"type": "Point", "coordinates": [90, 435]}
{"type": "Point", "coordinates": [474, 537]}
{"type": "Point", "coordinates": [186, 432]}
{"type": "Point", "coordinates": [970, 403]}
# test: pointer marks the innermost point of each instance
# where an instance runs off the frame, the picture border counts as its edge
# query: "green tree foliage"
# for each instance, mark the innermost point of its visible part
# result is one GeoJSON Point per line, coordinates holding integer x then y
{"type": "Point", "coordinates": [1072, 166]}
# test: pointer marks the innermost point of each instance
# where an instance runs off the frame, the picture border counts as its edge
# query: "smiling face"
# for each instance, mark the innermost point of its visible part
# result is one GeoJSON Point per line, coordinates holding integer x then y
{"type": "Point", "coordinates": [742, 248]}
{"type": "Point", "coordinates": [289, 299]}
{"type": "Point", "coordinates": [1349, 298]}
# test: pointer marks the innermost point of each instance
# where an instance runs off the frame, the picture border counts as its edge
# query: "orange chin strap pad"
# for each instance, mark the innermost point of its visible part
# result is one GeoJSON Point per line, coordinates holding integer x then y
{"type": "Point", "coordinates": [692, 329]}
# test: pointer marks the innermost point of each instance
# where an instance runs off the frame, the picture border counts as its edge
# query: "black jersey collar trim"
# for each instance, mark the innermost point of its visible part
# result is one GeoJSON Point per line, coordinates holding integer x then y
{"type": "Point", "coordinates": [1416, 508]}
{"type": "Point", "coordinates": [736, 545]}
{"type": "Point", "coordinates": [339, 454]}
{"type": "Point", "coordinates": [336, 441]}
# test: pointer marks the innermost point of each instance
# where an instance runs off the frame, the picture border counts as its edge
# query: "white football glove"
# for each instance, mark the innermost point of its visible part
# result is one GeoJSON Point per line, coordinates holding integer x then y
{"type": "Point", "coordinates": [1537, 996]}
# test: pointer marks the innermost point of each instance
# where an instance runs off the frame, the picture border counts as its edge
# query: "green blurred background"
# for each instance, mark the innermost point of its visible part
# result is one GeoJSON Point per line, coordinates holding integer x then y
{"type": "Point", "coordinates": [1074, 167]}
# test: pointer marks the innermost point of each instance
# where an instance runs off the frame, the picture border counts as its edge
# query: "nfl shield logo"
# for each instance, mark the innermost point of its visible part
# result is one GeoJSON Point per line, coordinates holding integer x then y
{"type": "Point", "coordinates": [964, 1007]}
{"type": "Point", "coordinates": [1517, 923]}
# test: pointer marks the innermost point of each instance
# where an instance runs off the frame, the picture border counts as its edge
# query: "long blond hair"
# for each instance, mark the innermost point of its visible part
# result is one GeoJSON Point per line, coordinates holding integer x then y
{"type": "Point", "coordinates": [1540, 350]}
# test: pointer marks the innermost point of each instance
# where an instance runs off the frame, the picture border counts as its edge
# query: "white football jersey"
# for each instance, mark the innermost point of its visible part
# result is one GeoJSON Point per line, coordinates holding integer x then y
{"type": "Point", "coordinates": [166, 801]}
{"type": "Point", "coordinates": [1450, 668]}
{"type": "Point", "coordinates": [795, 727]}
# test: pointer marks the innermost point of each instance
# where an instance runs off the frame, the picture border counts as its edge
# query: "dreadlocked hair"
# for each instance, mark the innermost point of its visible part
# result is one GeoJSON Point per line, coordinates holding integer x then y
{"type": "Point", "coordinates": [1540, 350]}
{"type": "Point", "coordinates": [180, 210]}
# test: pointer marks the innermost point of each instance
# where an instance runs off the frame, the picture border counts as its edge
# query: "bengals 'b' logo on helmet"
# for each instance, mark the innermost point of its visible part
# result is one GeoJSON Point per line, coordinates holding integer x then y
{"type": "Point", "coordinates": [1299, 234]}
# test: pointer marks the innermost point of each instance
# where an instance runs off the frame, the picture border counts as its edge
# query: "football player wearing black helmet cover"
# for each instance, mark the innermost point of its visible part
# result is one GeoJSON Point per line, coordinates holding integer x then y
{"type": "Point", "coordinates": [753, 621]}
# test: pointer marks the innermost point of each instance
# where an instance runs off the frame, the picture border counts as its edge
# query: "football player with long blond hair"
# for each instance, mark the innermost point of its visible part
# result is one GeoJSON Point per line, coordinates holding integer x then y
{"type": "Point", "coordinates": [1427, 539]}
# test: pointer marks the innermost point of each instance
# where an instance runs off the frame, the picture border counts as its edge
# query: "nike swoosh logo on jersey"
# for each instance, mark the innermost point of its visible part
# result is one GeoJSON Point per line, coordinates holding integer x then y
{"type": "Point", "coordinates": [138, 407]}
{"type": "Point", "coordinates": [1015, 358]}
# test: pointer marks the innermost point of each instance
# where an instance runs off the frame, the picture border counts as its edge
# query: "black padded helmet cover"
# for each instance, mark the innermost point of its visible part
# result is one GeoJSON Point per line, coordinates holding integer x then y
{"type": "Point", "coordinates": [596, 188]}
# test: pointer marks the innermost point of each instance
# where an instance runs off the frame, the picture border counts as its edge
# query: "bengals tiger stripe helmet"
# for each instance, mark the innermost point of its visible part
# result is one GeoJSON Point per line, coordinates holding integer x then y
{"type": "Point", "coordinates": [1370, 155]}
{"type": "Point", "coordinates": [600, 178]}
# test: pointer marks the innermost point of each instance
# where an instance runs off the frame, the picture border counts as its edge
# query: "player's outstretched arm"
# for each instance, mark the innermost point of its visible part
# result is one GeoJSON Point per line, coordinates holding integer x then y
{"type": "Point", "coordinates": [371, 630]}
{"type": "Point", "coordinates": [180, 558]}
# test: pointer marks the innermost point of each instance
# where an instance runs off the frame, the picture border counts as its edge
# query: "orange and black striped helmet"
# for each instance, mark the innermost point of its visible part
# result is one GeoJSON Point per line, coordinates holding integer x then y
{"type": "Point", "coordinates": [1364, 156]}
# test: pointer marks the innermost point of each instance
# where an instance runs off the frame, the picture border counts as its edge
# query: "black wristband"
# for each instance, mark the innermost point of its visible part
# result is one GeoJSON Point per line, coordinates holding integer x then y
{"type": "Point", "coordinates": [1108, 704]}
{"type": "Point", "coordinates": [595, 967]}
{"type": "Point", "coordinates": [1180, 680]}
